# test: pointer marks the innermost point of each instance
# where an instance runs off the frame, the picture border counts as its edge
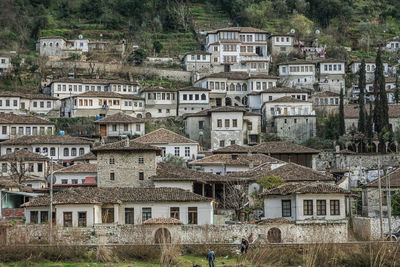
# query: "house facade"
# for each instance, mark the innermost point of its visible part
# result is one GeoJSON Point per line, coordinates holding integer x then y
{"type": "Point", "coordinates": [193, 99]}
{"type": "Point", "coordinates": [160, 102]}
{"type": "Point", "coordinates": [331, 75]}
{"type": "Point", "coordinates": [5, 64]}
{"type": "Point", "coordinates": [76, 174]}
{"type": "Point", "coordinates": [370, 66]}
{"type": "Point", "coordinates": [281, 44]}
{"type": "Point", "coordinates": [299, 73]}
{"type": "Point", "coordinates": [197, 61]}
{"type": "Point", "coordinates": [121, 124]}
{"type": "Point", "coordinates": [18, 103]}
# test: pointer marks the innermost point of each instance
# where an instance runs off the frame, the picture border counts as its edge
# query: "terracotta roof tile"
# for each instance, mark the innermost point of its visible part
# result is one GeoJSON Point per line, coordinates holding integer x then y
{"type": "Point", "coordinates": [120, 117]}
{"type": "Point", "coordinates": [94, 81]}
{"type": "Point", "coordinates": [19, 119]}
{"type": "Point", "coordinates": [126, 145]}
{"type": "Point", "coordinates": [287, 99]}
{"type": "Point", "coordinates": [108, 94]}
{"type": "Point", "coordinates": [45, 139]}
{"type": "Point", "coordinates": [87, 156]}
{"type": "Point", "coordinates": [293, 172]}
{"type": "Point", "coordinates": [208, 112]}
{"type": "Point", "coordinates": [233, 149]}
{"type": "Point", "coordinates": [351, 111]}
{"type": "Point", "coordinates": [281, 147]}
{"type": "Point", "coordinates": [240, 29]}
{"type": "Point", "coordinates": [24, 155]}
{"type": "Point", "coordinates": [27, 96]}
{"type": "Point", "coordinates": [158, 89]}
{"type": "Point", "coordinates": [306, 188]}
{"type": "Point", "coordinates": [394, 180]}
{"type": "Point", "coordinates": [79, 168]}
{"type": "Point", "coordinates": [193, 88]}
{"type": "Point", "coordinates": [325, 94]}
{"type": "Point", "coordinates": [235, 159]}
{"type": "Point", "coordinates": [164, 136]}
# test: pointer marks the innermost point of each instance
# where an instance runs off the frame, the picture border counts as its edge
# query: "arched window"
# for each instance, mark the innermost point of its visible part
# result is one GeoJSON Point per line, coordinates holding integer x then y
{"type": "Point", "coordinates": [44, 44]}
{"type": "Point", "coordinates": [66, 152]}
{"type": "Point", "coordinates": [81, 151]}
{"type": "Point", "coordinates": [232, 87]}
{"type": "Point", "coordinates": [203, 97]}
{"type": "Point", "coordinates": [368, 68]}
{"type": "Point", "coordinates": [51, 44]}
{"type": "Point", "coordinates": [244, 100]}
{"type": "Point", "coordinates": [228, 101]}
{"type": "Point", "coordinates": [8, 151]}
{"type": "Point", "coordinates": [244, 87]}
{"type": "Point", "coordinates": [52, 151]}
{"type": "Point", "coordinates": [238, 87]}
{"type": "Point", "coordinates": [73, 151]}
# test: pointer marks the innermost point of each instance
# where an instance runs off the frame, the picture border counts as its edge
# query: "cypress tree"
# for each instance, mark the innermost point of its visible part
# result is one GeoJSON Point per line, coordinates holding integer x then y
{"type": "Point", "coordinates": [381, 111]}
{"type": "Point", "coordinates": [361, 98]}
{"type": "Point", "coordinates": [342, 129]}
{"type": "Point", "coordinates": [397, 91]}
{"type": "Point", "coordinates": [370, 130]}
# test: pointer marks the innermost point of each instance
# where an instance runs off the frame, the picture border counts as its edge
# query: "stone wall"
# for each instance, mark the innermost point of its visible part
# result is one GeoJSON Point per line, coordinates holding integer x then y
{"type": "Point", "coordinates": [183, 234]}
{"type": "Point", "coordinates": [369, 228]}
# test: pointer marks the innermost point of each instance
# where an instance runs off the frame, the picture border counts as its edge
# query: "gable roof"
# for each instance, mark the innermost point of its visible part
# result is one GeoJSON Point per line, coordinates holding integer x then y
{"type": "Point", "coordinates": [238, 75]}
{"type": "Point", "coordinates": [164, 136]}
{"type": "Point", "coordinates": [233, 149]}
{"type": "Point", "coordinates": [284, 90]}
{"type": "Point", "coordinates": [19, 119]}
{"type": "Point", "coordinates": [158, 89]}
{"type": "Point", "coordinates": [239, 29]}
{"type": "Point", "coordinates": [93, 81]}
{"type": "Point", "coordinates": [126, 145]}
{"type": "Point", "coordinates": [207, 112]}
{"type": "Point", "coordinates": [24, 155]}
{"type": "Point", "coordinates": [306, 188]}
{"type": "Point", "coordinates": [326, 94]}
{"type": "Point", "coordinates": [394, 180]}
{"type": "Point", "coordinates": [193, 88]}
{"type": "Point", "coordinates": [79, 168]}
{"type": "Point", "coordinates": [235, 159]}
{"type": "Point", "coordinates": [87, 156]}
{"type": "Point", "coordinates": [281, 147]}
{"type": "Point", "coordinates": [45, 139]}
{"type": "Point", "coordinates": [287, 99]}
{"type": "Point", "coordinates": [108, 94]}
{"type": "Point", "coordinates": [120, 117]}
{"type": "Point", "coordinates": [27, 96]}
{"type": "Point", "coordinates": [100, 195]}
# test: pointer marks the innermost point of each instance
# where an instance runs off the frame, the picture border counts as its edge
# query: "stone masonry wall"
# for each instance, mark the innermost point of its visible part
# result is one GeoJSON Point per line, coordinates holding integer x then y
{"type": "Point", "coordinates": [370, 229]}
{"type": "Point", "coordinates": [183, 234]}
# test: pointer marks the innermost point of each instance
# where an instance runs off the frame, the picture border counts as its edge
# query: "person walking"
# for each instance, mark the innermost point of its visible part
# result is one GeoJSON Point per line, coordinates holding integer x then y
{"type": "Point", "coordinates": [211, 258]}
{"type": "Point", "coordinates": [244, 246]}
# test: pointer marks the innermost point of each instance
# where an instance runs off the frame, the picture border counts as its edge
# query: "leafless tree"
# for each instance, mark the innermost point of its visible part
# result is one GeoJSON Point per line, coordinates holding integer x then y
{"type": "Point", "coordinates": [236, 197]}
{"type": "Point", "coordinates": [17, 168]}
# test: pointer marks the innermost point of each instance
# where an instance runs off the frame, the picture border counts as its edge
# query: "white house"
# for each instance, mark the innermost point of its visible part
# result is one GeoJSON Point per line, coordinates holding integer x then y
{"type": "Point", "coordinates": [331, 75]}
{"type": "Point", "coordinates": [171, 143]}
{"type": "Point", "coordinates": [120, 124]}
{"type": "Point", "coordinates": [13, 126]}
{"type": "Point", "coordinates": [197, 61]}
{"type": "Point", "coordinates": [18, 103]}
{"type": "Point", "coordinates": [238, 49]}
{"type": "Point", "coordinates": [52, 46]}
{"type": "Point", "coordinates": [193, 99]}
{"type": "Point", "coordinates": [87, 206]}
{"type": "Point", "coordinates": [5, 64]}
{"type": "Point", "coordinates": [160, 102]}
{"type": "Point", "coordinates": [75, 174]}
{"type": "Point", "coordinates": [61, 148]}
{"type": "Point", "coordinates": [393, 45]}
{"type": "Point", "coordinates": [370, 66]}
{"type": "Point", "coordinates": [299, 73]}
{"type": "Point", "coordinates": [281, 44]}
{"type": "Point", "coordinates": [306, 202]}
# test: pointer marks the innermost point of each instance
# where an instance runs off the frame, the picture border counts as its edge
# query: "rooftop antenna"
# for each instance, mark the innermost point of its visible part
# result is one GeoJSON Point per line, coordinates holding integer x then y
{"type": "Point", "coordinates": [292, 31]}
{"type": "Point", "coordinates": [317, 32]}
{"type": "Point", "coordinates": [80, 36]}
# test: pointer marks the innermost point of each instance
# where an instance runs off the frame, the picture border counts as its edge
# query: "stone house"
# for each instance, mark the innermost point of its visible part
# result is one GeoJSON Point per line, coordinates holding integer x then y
{"type": "Point", "coordinates": [281, 44]}
{"type": "Point", "coordinates": [14, 126]}
{"type": "Point", "coordinates": [101, 104]}
{"type": "Point", "coordinates": [89, 206]}
{"type": "Point", "coordinates": [298, 73]}
{"type": "Point", "coordinates": [393, 45]}
{"type": "Point", "coordinates": [5, 64]}
{"type": "Point", "coordinates": [171, 143]}
{"type": "Point", "coordinates": [52, 46]}
{"type": "Point", "coordinates": [30, 168]}
{"type": "Point", "coordinates": [126, 164]}
{"type": "Point", "coordinates": [326, 98]}
{"type": "Point", "coordinates": [390, 83]}
{"type": "Point", "coordinates": [197, 61]}
{"type": "Point", "coordinates": [77, 174]}
{"type": "Point", "coordinates": [193, 99]}
{"type": "Point", "coordinates": [61, 148]}
{"type": "Point", "coordinates": [370, 194]}
{"type": "Point", "coordinates": [18, 103]}
{"type": "Point", "coordinates": [222, 126]}
{"type": "Point", "coordinates": [232, 88]}
{"type": "Point", "coordinates": [238, 49]}
{"type": "Point", "coordinates": [67, 87]}
{"type": "Point", "coordinates": [331, 75]}
{"type": "Point", "coordinates": [370, 66]}
{"type": "Point", "coordinates": [306, 202]}
{"type": "Point", "coordinates": [85, 158]}
{"type": "Point", "coordinates": [160, 102]}
{"type": "Point", "coordinates": [285, 151]}
{"type": "Point", "coordinates": [121, 124]}
{"type": "Point", "coordinates": [257, 99]}
{"type": "Point", "coordinates": [290, 118]}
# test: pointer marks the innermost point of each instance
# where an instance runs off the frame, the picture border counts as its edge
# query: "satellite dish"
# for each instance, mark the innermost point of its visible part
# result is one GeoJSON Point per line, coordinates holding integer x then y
{"type": "Point", "coordinates": [101, 35]}
{"type": "Point", "coordinates": [292, 31]}
{"type": "Point", "coordinates": [80, 36]}
{"type": "Point", "coordinates": [317, 32]}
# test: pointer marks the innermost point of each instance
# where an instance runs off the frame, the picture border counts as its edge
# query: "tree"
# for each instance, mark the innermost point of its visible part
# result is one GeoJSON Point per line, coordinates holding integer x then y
{"type": "Point", "coordinates": [396, 204]}
{"type": "Point", "coordinates": [157, 46]}
{"type": "Point", "coordinates": [270, 182]}
{"type": "Point", "coordinates": [342, 127]}
{"type": "Point", "coordinates": [396, 94]}
{"type": "Point", "coordinates": [370, 126]}
{"type": "Point", "coordinates": [361, 98]}
{"type": "Point", "coordinates": [235, 197]}
{"type": "Point", "coordinates": [381, 109]}
{"type": "Point", "coordinates": [137, 57]}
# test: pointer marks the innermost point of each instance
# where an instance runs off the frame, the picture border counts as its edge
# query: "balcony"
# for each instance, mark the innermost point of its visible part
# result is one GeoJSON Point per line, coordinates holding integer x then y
{"type": "Point", "coordinates": [254, 58]}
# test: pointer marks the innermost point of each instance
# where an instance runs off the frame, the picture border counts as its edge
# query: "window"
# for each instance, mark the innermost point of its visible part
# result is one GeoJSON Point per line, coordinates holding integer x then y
{"type": "Point", "coordinates": [34, 216]}
{"type": "Point", "coordinates": [222, 143]}
{"type": "Point", "coordinates": [114, 127]}
{"type": "Point", "coordinates": [82, 219]}
{"type": "Point", "coordinates": [174, 212]}
{"type": "Point", "coordinates": [64, 181]}
{"type": "Point", "coordinates": [201, 125]}
{"type": "Point", "coordinates": [67, 219]}
{"type": "Point", "coordinates": [141, 176]}
{"type": "Point", "coordinates": [308, 207]}
{"type": "Point", "coordinates": [192, 215]}
{"type": "Point", "coordinates": [112, 176]}
{"type": "Point", "coordinates": [112, 160]}
{"type": "Point", "coordinates": [52, 151]}
{"type": "Point", "coordinates": [226, 123]}
{"type": "Point", "coordinates": [4, 167]}
{"type": "Point", "coordinates": [187, 151]}
{"type": "Point", "coordinates": [335, 207]}
{"type": "Point", "coordinates": [146, 214]}
{"type": "Point", "coordinates": [321, 207]}
{"type": "Point", "coordinates": [286, 208]}
{"type": "Point", "coordinates": [219, 123]}
{"type": "Point", "coordinates": [234, 123]}
{"type": "Point", "coordinates": [141, 160]}
{"type": "Point", "coordinates": [66, 152]}
{"type": "Point", "coordinates": [28, 130]}
{"type": "Point", "coordinates": [4, 130]}
{"type": "Point", "coordinates": [74, 181]}
{"type": "Point", "coordinates": [137, 127]}
{"type": "Point", "coordinates": [44, 216]}
{"type": "Point", "coordinates": [249, 126]}
{"type": "Point", "coordinates": [20, 130]}
{"type": "Point", "coordinates": [13, 130]}
{"type": "Point", "coordinates": [177, 151]}
{"type": "Point", "coordinates": [40, 167]}
{"type": "Point", "coordinates": [107, 215]}
{"type": "Point", "coordinates": [129, 216]}
{"type": "Point", "coordinates": [73, 151]}
{"type": "Point", "coordinates": [15, 103]}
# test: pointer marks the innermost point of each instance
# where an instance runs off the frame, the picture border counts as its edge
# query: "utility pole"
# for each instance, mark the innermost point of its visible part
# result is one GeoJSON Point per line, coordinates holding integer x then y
{"type": "Point", "coordinates": [350, 200]}
{"type": "Point", "coordinates": [389, 201]}
{"type": "Point", "coordinates": [51, 203]}
{"type": "Point", "coordinates": [380, 197]}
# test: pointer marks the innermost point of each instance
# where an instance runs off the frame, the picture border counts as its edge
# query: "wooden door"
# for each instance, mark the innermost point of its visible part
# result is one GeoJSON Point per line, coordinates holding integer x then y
{"type": "Point", "coordinates": [274, 235]}
{"type": "Point", "coordinates": [103, 131]}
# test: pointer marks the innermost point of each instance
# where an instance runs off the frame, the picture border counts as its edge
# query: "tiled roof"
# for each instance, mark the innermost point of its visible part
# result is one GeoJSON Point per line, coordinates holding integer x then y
{"type": "Point", "coordinates": [162, 221]}
{"type": "Point", "coordinates": [263, 76]}
{"type": "Point", "coordinates": [240, 29]}
{"type": "Point", "coordinates": [208, 112]}
{"type": "Point", "coordinates": [164, 136]}
{"type": "Point", "coordinates": [87, 156]}
{"type": "Point", "coordinates": [298, 62]}
{"type": "Point", "coordinates": [326, 94]}
{"type": "Point", "coordinates": [93, 81]}
{"type": "Point", "coordinates": [98, 195]}
{"type": "Point", "coordinates": [235, 159]}
{"type": "Point", "coordinates": [254, 174]}
{"type": "Point", "coordinates": [45, 139]}
{"type": "Point", "coordinates": [287, 99]}
{"type": "Point", "coordinates": [284, 90]}
{"type": "Point", "coordinates": [233, 149]}
{"type": "Point", "coordinates": [281, 147]}
{"type": "Point", "coordinates": [234, 75]}
{"type": "Point", "coordinates": [79, 168]}
{"type": "Point", "coordinates": [394, 180]}
{"type": "Point", "coordinates": [125, 146]}
{"type": "Point", "coordinates": [27, 96]}
{"type": "Point", "coordinates": [19, 119]}
{"type": "Point", "coordinates": [8, 183]}
{"type": "Point", "coordinates": [24, 155]}
{"type": "Point", "coordinates": [198, 52]}
{"type": "Point", "coordinates": [108, 94]}
{"type": "Point", "coordinates": [193, 88]}
{"type": "Point", "coordinates": [169, 172]}
{"type": "Point", "coordinates": [121, 118]}
{"type": "Point", "coordinates": [158, 89]}
{"type": "Point", "coordinates": [306, 188]}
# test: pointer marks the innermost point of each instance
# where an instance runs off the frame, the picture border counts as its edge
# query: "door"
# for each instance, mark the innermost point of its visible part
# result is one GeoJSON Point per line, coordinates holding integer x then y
{"type": "Point", "coordinates": [274, 235]}
{"type": "Point", "coordinates": [103, 131]}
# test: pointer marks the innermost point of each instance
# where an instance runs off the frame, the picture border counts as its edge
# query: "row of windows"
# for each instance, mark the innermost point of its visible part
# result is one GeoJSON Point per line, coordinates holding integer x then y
{"type": "Point", "coordinates": [289, 111]}
{"type": "Point", "coordinates": [198, 57]}
{"type": "Point", "coordinates": [228, 35]}
{"type": "Point", "coordinates": [7, 103]}
{"type": "Point", "coordinates": [299, 69]}
{"type": "Point", "coordinates": [222, 143]}
{"type": "Point", "coordinates": [45, 151]}
{"type": "Point", "coordinates": [308, 208]}
{"type": "Point", "coordinates": [260, 65]}
{"type": "Point", "coordinates": [161, 96]}
{"type": "Point", "coordinates": [114, 127]}
{"type": "Point", "coordinates": [231, 48]}
{"type": "Point", "coordinates": [294, 121]}
{"type": "Point", "coordinates": [135, 104]}
{"type": "Point", "coordinates": [194, 97]}
{"type": "Point", "coordinates": [333, 67]}
{"type": "Point", "coordinates": [230, 59]}
{"type": "Point", "coordinates": [27, 130]}
{"type": "Point", "coordinates": [141, 175]}
{"type": "Point", "coordinates": [78, 88]}
{"type": "Point", "coordinates": [326, 101]}
{"type": "Point", "coordinates": [14, 167]}
{"type": "Point", "coordinates": [282, 39]}
{"type": "Point", "coordinates": [73, 181]}
{"type": "Point", "coordinates": [177, 151]}
{"type": "Point", "coordinates": [123, 88]}
{"type": "Point", "coordinates": [111, 160]}
{"type": "Point", "coordinates": [227, 123]}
